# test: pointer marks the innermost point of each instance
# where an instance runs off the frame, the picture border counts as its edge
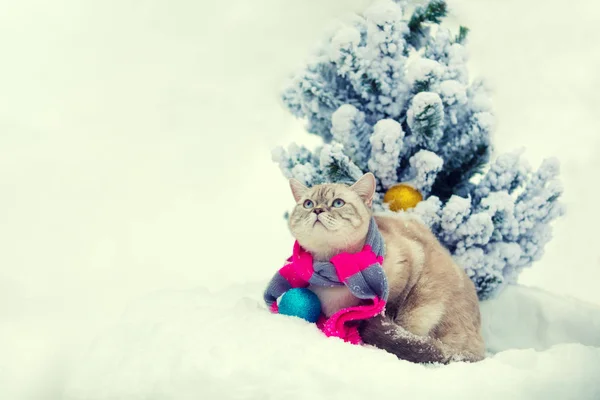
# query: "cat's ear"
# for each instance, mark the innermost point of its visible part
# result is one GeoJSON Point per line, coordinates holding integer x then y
{"type": "Point", "coordinates": [365, 188]}
{"type": "Point", "coordinates": [298, 189]}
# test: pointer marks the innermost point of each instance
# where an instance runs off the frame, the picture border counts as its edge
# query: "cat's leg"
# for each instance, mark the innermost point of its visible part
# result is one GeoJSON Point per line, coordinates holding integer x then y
{"type": "Point", "coordinates": [421, 319]}
{"type": "Point", "coordinates": [413, 334]}
{"type": "Point", "coordinates": [386, 334]}
{"type": "Point", "coordinates": [466, 341]}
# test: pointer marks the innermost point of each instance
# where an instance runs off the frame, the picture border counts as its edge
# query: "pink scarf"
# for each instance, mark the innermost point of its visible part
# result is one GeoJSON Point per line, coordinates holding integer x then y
{"type": "Point", "coordinates": [361, 272]}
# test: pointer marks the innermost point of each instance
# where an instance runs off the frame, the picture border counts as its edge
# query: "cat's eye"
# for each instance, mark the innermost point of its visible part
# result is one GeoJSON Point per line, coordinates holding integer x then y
{"type": "Point", "coordinates": [308, 204]}
{"type": "Point", "coordinates": [337, 203]}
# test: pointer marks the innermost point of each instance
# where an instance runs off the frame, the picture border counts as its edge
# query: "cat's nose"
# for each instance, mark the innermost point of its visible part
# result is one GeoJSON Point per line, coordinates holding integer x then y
{"type": "Point", "coordinates": [318, 210]}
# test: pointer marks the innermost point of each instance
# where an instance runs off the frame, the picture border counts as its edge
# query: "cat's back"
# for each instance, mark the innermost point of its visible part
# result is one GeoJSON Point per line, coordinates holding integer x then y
{"type": "Point", "coordinates": [413, 253]}
{"type": "Point", "coordinates": [429, 294]}
{"type": "Point", "coordinates": [408, 249]}
{"type": "Point", "coordinates": [402, 227]}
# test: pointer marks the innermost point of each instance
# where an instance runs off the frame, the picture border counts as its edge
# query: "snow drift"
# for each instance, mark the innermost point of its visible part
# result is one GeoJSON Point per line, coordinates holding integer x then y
{"type": "Point", "coordinates": [226, 345]}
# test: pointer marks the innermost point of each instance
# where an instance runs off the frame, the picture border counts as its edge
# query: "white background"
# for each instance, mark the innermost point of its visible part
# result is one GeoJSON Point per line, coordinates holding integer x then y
{"type": "Point", "coordinates": [135, 146]}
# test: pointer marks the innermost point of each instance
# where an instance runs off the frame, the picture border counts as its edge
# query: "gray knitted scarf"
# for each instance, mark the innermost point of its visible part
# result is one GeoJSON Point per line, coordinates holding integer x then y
{"type": "Point", "coordinates": [361, 272]}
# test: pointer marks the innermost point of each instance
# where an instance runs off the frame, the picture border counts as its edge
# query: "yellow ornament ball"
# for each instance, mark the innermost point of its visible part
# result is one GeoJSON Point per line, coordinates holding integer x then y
{"type": "Point", "coordinates": [402, 197]}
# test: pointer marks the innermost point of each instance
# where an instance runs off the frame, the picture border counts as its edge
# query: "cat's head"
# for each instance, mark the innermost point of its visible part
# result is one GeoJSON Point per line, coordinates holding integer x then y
{"type": "Point", "coordinates": [331, 217]}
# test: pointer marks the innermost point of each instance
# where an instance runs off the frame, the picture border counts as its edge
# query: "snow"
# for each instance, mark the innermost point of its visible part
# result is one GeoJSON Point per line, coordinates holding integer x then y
{"type": "Point", "coordinates": [423, 70]}
{"type": "Point", "coordinates": [452, 91]}
{"type": "Point", "coordinates": [278, 155]}
{"type": "Point", "coordinates": [423, 101]}
{"type": "Point", "coordinates": [425, 117]}
{"type": "Point", "coordinates": [341, 121]}
{"type": "Point", "coordinates": [475, 230]}
{"type": "Point", "coordinates": [382, 11]}
{"type": "Point", "coordinates": [424, 167]}
{"type": "Point", "coordinates": [428, 210]}
{"type": "Point", "coordinates": [386, 143]}
{"type": "Point", "coordinates": [530, 318]}
{"type": "Point", "coordinates": [333, 153]}
{"type": "Point", "coordinates": [454, 213]}
{"type": "Point", "coordinates": [134, 157]}
{"type": "Point", "coordinates": [226, 345]}
{"type": "Point", "coordinates": [348, 128]}
{"type": "Point", "coordinates": [344, 39]}
{"type": "Point", "coordinates": [303, 172]}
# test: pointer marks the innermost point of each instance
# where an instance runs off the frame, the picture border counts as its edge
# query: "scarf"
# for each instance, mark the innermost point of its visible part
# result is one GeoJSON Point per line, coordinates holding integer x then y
{"type": "Point", "coordinates": [361, 272]}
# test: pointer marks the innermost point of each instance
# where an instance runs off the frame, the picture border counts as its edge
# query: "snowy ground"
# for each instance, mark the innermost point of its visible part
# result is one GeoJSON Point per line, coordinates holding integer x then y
{"type": "Point", "coordinates": [134, 157]}
{"type": "Point", "coordinates": [226, 345]}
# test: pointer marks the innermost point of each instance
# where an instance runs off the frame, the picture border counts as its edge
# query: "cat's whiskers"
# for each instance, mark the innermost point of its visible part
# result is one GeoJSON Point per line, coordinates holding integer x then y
{"type": "Point", "coordinates": [308, 220]}
{"type": "Point", "coordinates": [330, 222]}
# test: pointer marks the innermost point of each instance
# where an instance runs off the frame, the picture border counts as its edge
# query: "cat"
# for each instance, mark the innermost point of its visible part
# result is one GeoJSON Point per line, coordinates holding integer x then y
{"type": "Point", "coordinates": [432, 313]}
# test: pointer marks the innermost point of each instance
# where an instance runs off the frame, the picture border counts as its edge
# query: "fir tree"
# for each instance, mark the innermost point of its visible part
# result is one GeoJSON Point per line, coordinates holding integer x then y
{"type": "Point", "coordinates": [391, 94]}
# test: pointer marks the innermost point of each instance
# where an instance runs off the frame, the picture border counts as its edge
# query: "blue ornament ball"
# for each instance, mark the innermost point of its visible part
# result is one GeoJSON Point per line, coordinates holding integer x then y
{"type": "Point", "coordinates": [302, 303]}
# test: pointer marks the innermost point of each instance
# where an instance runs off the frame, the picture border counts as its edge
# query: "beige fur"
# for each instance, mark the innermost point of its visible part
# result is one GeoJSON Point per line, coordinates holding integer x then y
{"type": "Point", "coordinates": [432, 304]}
